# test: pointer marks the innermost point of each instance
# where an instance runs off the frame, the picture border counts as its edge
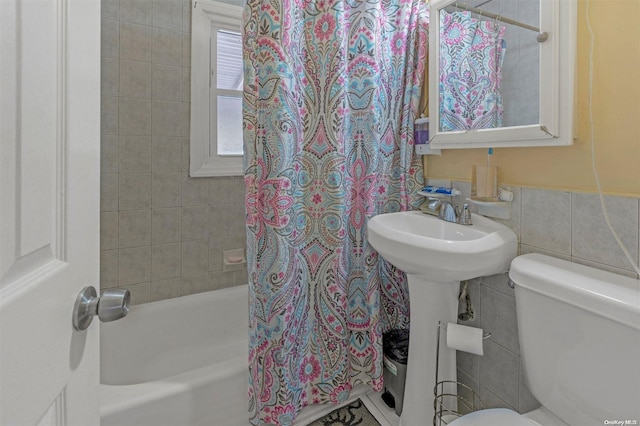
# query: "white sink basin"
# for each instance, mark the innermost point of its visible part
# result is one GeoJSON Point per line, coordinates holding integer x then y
{"type": "Point", "coordinates": [421, 244]}
{"type": "Point", "coordinates": [436, 255]}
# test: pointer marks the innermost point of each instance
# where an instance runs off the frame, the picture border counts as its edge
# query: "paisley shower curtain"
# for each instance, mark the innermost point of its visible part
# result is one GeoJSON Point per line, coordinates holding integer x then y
{"type": "Point", "coordinates": [331, 91]}
{"type": "Point", "coordinates": [471, 56]}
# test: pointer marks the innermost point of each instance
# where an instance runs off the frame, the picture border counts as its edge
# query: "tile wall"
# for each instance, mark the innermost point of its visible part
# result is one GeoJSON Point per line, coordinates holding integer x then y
{"type": "Point", "coordinates": [567, 225]}
{"type": "Point", "coordinates": [162, 233]}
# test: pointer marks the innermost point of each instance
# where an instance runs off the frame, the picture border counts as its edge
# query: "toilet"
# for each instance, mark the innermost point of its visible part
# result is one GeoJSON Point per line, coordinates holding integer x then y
{"type": "Point", "coordinates": [579, 331]}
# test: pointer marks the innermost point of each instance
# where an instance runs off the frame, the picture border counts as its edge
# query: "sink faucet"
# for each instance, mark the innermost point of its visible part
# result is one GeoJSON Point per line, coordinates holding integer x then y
{"type": "Point", "coordinates": [450, 213]}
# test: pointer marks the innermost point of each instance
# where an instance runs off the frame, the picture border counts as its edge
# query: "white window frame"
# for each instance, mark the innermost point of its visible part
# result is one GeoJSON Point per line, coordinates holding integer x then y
{"type": "Point", "coordinates": [207, 18]}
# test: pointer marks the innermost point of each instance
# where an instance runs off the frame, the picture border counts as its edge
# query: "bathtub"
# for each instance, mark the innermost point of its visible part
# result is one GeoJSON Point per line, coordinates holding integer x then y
{"type": "Point", "coordinates": [177, 362]}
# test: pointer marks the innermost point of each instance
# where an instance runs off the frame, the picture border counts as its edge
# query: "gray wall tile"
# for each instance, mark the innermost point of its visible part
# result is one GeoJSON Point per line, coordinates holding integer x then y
{"type": "Point", "coordinates": [135, 79]}
{"type": "Point", "coordinates": [166, 154]}
{"type": "Point", "coordinates": [195, 257]}
{"type": "Point", "coordinates": [108, 268]}
{"type": "Point", "coordinates": [219, 279]}
{"type": "Point", "coordinates": [195, 191]}
{"type": "Point", "coordinates": [134, 265]}
{"type": "Point", "coordinates": [134, 228]}
{"type": "Point", "coordinates": [167, 14]}
{"type": "Point", "coordinates": [136, 11]}
{"type": "Point", "coordinates": [139, 293]}
{"type": "Point", "coordinates": [108, 192]}
{"type": "Point", "coordinates": [108, 230]}
{"type": "Point", "coordinates": [167, 83]}
{"type": "Point", "coordinates": [164, 289]}
{"type": "Point", "coordinates": [499, 372]}
{"type": "Point", "coordinates": [546, 219]}
{"type": "Point", "coordinates": [499, 318]}
{"type": "Point", "coordinates": [166, 118]}
{"type": "Point", "coordinates": [166, 225]}
{"type": "Point", "coordinates": [109, 9]}
{"type": "Point", "coordinates": [167, 47]}
{"type": "Point", "coordinates": [110, 39]}
{"type": "Point", "coordinates": [109, 70]}
{"type": "Point", "coordinates": [166, 190]}
{"type": "Point", "coordinates": [135, 42]}
{"type": "Point", "coordinates": [195, 222]}
{"type": "Point", "coordinates": [135, 154]}
{"type": "Point", "coordinates": [108, 115]}
{"type": "Point", "coordinates": [135, 191]}
{"type": "Point", "coordinates": [591, 238]}
{"type": "Point", "coordinates": [109, 154]}
{"type": "Point", "coordinates": [134, 116]}
{"type": "Point", "coordinates": [195, 284]}
{"type": "Point", "coordinates": [165, 261]}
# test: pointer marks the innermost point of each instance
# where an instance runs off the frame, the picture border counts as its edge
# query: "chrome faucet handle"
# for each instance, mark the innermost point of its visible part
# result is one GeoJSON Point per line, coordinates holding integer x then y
{"type": "Point", "coordinates": [448, 212]}
{"type": "Point", "coordinates": [465, 217]}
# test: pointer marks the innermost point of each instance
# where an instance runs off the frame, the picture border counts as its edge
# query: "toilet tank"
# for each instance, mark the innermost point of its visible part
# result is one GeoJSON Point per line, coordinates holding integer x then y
{"type": "Point", "coordinates": [579, 331]}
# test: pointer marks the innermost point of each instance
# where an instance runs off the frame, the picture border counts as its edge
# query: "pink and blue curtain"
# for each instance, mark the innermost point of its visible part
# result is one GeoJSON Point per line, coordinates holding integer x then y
{"type": "Point", "coordinates": [471, 56]}
{"type": "Point", "coordinates": [331, 92]}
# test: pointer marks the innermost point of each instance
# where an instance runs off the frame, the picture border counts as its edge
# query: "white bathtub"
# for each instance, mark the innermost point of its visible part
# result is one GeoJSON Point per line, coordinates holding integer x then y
{"type": "Point", "coordinates": [177, 362]}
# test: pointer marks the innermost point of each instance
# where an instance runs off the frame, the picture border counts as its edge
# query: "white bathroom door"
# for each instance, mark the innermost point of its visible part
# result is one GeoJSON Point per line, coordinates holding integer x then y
{"type": "Point", "coordinates": [49, 209]}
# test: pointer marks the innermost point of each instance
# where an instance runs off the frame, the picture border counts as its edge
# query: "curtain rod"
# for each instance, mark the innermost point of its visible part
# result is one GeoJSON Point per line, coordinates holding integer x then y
{"type": "Point", "coordinates": [542, 36]}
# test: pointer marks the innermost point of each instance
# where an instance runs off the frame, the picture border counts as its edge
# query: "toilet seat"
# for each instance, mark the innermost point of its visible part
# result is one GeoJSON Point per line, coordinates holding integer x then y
{"type": "Point", "coordinates": [494, 417]}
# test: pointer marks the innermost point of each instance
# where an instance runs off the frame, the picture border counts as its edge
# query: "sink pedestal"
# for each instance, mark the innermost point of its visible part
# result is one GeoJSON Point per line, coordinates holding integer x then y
{"type": "Point", "coordinates": [430, 302]}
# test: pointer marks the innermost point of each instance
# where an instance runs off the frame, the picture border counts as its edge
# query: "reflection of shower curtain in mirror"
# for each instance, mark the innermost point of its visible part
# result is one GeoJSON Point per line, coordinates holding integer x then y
{"type": "Point", "coordinates": [471, 55]}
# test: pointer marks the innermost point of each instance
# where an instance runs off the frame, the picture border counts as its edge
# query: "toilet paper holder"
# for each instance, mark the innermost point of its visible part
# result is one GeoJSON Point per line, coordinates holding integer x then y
{"type": "Point", "coordinates": [448, 402]}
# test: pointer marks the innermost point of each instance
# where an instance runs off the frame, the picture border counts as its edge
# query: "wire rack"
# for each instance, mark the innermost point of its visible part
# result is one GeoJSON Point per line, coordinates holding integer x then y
{"type": "Point", "coordinates": [450, 393]}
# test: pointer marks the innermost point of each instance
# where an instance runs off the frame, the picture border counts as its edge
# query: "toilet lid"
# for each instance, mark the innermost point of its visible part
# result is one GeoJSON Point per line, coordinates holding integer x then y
{"type": "Point", "coordinates": [493, 417]}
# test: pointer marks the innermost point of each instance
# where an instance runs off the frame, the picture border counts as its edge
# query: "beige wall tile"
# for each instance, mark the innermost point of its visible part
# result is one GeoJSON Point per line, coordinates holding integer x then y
{"type": "Point", "coordinates": [135, 228]}
{"type": "Point", "coordinates": [167, 14]}
{"type": "Point", "coordinates": [218, 244]}
{"type": "Point", "coordinates": [110, 39]}
{"type": "Point", "coordinates": [195, 222]}
{"type": "Point", "coordinates": [165, 261]}
{"type": "Point", "coordinates": [166, 190]}
{"type": "Point", "coordinates": [136, 11]}
{"type": "Point", "coordinates": [135, 79]}
{"type": "Point", "coordinates": [186, 49]}
{"type": "Point", "coordinates": [186, 117]}
{"type": "Point", "coordinates": [108, 192]}
{"type": "Point", "coordinates": [195, 257]}
{"type": "Point", "coordinates": [240, 277]}
{"type": "Point", "coordinates": [134, 116]}
{"type": "Point", "coordinates": [166, 225]}
{"type": "Point", "coordinates": [135, 42]}
{"type": "Point", "coordinates": [166, 118]}
{"type": "Point", "coordinates": [167, 47]}
{"type": "Point", "coordinates": [134, 265]}
{"type": "Point", "coordinates": [108, 230]}
{"type": "Point", "coordinates": [135, 191]}
{"type": "Point", "coordinates": [166, 154]}
{"type": "Point", "coordinates": [166, 83]}
{"type": "Point", "coordinates": [185, 154]}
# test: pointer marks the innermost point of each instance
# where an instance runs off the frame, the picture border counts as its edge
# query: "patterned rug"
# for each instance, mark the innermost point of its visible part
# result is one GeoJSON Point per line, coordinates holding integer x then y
{"type": "Point", "coordinates": [354, 414]}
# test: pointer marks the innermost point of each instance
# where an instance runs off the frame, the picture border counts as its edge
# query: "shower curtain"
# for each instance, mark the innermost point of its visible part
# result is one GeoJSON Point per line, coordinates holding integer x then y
{"type": "Point", "coordinates": [471, 56]}
{"type": "Point", "coordinates": [331, 91]}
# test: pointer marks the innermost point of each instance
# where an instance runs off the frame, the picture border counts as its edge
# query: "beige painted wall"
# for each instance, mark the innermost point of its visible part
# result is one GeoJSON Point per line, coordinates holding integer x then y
{"type": "Point", "coordinates": [616, 111]}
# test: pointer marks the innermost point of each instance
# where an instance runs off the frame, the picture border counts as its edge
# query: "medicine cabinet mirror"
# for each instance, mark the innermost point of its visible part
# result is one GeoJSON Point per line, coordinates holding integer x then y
{"type": "Point", "coordinates": [501, 73]}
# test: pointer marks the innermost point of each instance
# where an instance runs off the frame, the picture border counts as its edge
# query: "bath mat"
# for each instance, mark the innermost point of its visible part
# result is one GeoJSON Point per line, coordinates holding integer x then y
{"type": "Point", "coordinates": [354, 414]}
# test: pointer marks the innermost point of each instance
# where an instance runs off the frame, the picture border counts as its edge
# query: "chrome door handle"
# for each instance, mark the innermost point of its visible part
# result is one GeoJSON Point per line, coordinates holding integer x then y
{"type": "Point", "coordinates": [112, 305]}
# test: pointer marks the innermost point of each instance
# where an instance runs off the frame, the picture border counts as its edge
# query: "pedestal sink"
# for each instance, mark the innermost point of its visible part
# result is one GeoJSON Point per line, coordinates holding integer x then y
{"type": "Point", "coordinates": [436, 255]}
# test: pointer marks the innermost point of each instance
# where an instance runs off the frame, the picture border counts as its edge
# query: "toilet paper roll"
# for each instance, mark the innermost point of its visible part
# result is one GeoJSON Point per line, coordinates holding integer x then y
{"type": "Point", "coordinates": [463, 338]}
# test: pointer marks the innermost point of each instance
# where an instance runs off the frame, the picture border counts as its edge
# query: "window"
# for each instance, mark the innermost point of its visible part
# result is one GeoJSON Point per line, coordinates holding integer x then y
{"type": "Point", "coordinates": [216, 90]}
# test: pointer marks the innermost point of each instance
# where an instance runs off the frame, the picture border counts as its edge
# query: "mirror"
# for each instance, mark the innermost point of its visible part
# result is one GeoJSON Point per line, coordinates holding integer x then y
{"type": "Point", "coordinates": [501, 72]}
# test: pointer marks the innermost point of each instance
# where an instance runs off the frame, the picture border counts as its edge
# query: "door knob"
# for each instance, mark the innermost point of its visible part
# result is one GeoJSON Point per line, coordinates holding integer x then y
{"type": "Point", "coordinates": [112, 305]}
